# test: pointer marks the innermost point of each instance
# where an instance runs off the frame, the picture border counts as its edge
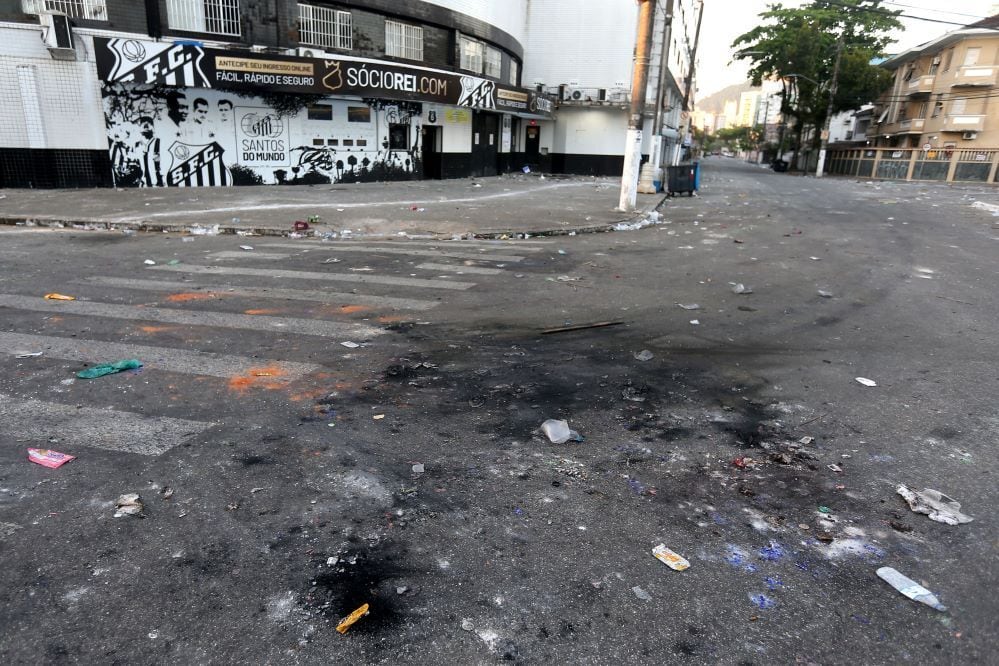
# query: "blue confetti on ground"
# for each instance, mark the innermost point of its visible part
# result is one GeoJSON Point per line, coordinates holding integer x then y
{"type": "Point", "coordinates": [773, 582]}
{"type": "Point", "coordinates": [773, 552]}
{"type": "Point", "coordinates": [762, 601]}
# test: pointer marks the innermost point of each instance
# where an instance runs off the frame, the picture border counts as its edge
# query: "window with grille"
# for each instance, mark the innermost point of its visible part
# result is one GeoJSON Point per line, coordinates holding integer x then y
{"type": "Point", "coordinates": [94, 10]}
{"type": "Point", "coordinates": [325, 27]}
{"type": "Point", "coordinates": [494, 62]}
{"type": "Point", "coordinates": [514, 71]}
{"type": "Point", "coordinates": [403, 41]}
{"type": "Point", "coordinates": [218, 17]}
{"type": "Point", "coordinates": [472, 54]}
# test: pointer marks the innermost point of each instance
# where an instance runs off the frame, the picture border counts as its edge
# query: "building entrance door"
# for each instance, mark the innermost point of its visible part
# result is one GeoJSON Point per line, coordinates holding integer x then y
{"type": "Point", "coordinates": [485, 144]}
{"type": "Point", "coordinates": [430, 153]}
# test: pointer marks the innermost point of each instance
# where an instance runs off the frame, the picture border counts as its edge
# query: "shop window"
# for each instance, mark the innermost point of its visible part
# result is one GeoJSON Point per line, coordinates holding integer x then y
{"type": "Point", "coordinates": [358, 114]}
{"type": "Point", "coordinates": [398, 137]}
{"type": "Point", "coordinates": [514, 71]}
{"type": "Point", "coordinates": [348, 143]}
{"type": "Point", "coordinates": [332, 142]}
{"type": "Point", "coordinates": [361, 143]}
{"type": "Point", "coordinates": [320, 112]}
{"type": "Point", "coordinates": [403, 41]}
{"type": "Point", "coordinates": [322, 26]}
{"type": "Point", "coordinates": [318, 142]}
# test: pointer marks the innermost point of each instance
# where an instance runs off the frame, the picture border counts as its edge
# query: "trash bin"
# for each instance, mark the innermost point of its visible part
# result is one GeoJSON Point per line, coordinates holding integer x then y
{"type": "Point", "coordinates": [682, 178]}
{"type": "Point", "coordinates": [780, 165]}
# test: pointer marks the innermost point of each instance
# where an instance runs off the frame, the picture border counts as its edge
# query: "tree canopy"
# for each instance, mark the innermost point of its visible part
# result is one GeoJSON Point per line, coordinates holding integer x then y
{"type": "Point", "coordinates": [804, 41]}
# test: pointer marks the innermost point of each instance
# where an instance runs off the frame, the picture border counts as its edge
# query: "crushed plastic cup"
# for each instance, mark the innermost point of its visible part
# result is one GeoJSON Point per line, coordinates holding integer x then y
{"type": "Point", "coordinates": [934, 504]}
{"type": "Point", "coordinates": [558, 431]}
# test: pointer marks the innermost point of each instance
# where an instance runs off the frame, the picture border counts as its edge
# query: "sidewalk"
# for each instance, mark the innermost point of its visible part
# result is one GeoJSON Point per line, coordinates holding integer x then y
{"type": "Point", "coordinates": [486, 207]}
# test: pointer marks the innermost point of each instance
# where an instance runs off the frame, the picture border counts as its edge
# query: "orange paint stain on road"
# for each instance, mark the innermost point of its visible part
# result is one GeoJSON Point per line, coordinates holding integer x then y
{"type": "Point", "coordinates": [157, 329]}
{"type": "Point", "coordinates": [268, 378]}
{"type": "Point", "coordinates": [390, 319]}
{"type": "Point", "coordinates": [187, 297]}
{"type": "Point", "coordinates": [262, 312]}
{"type": "Point", "coordinates": [354, 309]}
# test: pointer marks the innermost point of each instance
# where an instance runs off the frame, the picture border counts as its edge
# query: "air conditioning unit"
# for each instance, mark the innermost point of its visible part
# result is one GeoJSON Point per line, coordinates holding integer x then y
{"type": "Point", "coordinates": [57, 33]}
{"type": "Point", "coordinates": [570, 93]}
{"type": "Point", "coordinates": [308, 52]}
{"type": "Point", "coordinates": [969, 136]}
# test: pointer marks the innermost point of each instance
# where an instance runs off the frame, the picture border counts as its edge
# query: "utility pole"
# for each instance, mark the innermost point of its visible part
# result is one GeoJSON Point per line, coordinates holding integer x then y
{"type": "Point", "coordinates": [829, 110]}
{"type": "Point", "coordinates": [657, 127]}
{"type": "Point", "coordinates": [639, 82]}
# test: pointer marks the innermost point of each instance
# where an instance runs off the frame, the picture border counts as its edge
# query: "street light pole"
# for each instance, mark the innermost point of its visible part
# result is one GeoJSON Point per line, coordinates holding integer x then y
{"type": "Point", "coordinates": [639, 83]}
{"type": "Point", "coordinates": [829, 110]}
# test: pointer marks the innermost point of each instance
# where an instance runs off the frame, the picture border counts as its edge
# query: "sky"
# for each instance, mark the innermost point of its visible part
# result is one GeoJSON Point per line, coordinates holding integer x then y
{"type": "Point", "coordinates": [724, 20]}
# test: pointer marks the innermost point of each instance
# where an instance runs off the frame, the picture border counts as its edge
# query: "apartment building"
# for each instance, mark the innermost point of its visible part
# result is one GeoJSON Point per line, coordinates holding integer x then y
{"type": "Point", "coordinates": [945, 93]}
{"type": "Point", "coordinates": [219, 92]}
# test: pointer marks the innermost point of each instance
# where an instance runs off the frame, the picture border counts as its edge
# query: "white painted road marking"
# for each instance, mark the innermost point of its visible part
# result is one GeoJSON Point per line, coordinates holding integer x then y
{"type": "Point", "coordinates": [331, 297]}
{"type": "Point", "coordinates": [416, 252]}
{"type": "Point", "coordinates": [322, 328]}
{"type": "Point", "coordinates": [242, 254]}
{"type": "Point", "coordinates": [312, 275]}
{"type": "Point", "coordinates": [458, 268]}
{"type": "Point", "coordinates": [92, 427]}
{"type": "Point", "coordinates": [156, 358]}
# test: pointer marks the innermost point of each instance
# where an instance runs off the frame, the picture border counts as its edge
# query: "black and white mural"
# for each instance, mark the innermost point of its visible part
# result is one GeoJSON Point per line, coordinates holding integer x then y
{"type": "Point", "coordinates": [183, 137]}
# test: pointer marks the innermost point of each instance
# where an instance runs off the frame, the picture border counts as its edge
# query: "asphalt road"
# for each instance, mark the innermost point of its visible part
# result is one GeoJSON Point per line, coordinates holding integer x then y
{"type": "Point", "coordinates": [288, 479]}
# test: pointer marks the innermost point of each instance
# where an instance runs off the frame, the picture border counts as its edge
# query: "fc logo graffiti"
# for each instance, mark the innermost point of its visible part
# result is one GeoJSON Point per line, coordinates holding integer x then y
{"type": "Point", "coordinates": [333, 79]}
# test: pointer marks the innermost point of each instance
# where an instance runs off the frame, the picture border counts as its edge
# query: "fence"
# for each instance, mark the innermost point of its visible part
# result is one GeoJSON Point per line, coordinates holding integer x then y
{"type": "Point", "coordinates": [951, 165]}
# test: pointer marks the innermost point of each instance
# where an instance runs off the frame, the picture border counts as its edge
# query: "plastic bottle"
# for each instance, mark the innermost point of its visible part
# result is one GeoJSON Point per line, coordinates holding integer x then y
{"type": "Point", "coordinates": [910, 588]}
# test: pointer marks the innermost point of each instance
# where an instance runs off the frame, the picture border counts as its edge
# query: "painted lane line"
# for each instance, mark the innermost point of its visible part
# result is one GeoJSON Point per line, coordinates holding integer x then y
{"type": "Point", "coordinates": [458, 268]}
{"type": "Point", "coordinates": [155, 358]}
{"type": "Point", "coordinates": [229, 254]}
{"type": "Point", "coordinates": [472, 246]}
{"type": "Point", "coordinates": [108, 429]}
{"type": "Point", "coordinates": [330, 297]}
{"type": "Point", "coordinates": [371, 249]}
{"type": "Point", "coordinates": [312, 275]}
{"type": "Point", "coordinates": [271, 324]}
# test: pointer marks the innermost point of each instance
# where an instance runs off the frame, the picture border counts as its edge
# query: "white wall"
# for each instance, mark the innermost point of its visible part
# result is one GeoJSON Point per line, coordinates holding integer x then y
{"type": "Point", "coordinates": [507, 15]}
{"type": "Point", "coordinates": [590, 131]}
{"type": "Point", "coordinates": [589, 41]}
{"type": "Point", "coordinates": [456, 135]}
{"type": "Point", "coordinates": [840, 124]}
{"type": "Point", "coordinates": [48, 103]}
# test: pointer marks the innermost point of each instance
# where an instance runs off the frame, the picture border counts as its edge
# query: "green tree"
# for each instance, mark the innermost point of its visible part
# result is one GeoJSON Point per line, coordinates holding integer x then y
{"type": "Point", "coordinates": [798, 47]}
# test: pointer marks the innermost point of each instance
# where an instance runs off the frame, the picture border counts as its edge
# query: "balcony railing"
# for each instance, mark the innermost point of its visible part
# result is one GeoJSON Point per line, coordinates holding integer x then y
{"type": "Point", "coordinates": [964, 123]}
{"type": "Point", "coordinates": [911, 125]}
{"type": "Point", "coordinates": [921, 85]}
{"type": "Point", "coordinates": [218, 17]}
{"type": "Point", "coordinates": [94, 10]}
{"type": "Point", "coordinates": [975, 76]}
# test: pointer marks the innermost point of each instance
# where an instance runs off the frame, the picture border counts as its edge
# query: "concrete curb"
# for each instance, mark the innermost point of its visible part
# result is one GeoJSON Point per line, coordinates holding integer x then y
{"type": "Point", "coordinates": [317, 232]}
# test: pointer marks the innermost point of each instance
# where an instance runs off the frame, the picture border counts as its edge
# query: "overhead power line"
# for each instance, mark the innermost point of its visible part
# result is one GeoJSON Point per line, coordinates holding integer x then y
{"type": "Point", "coordinates": [891, 13]}
{"type": "Point", "coordinates": [935, 11]}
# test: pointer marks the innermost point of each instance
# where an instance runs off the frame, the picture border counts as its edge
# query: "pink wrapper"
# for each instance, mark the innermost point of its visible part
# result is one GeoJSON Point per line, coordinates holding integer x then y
{"type": "Point", "coordinates": [48, 458]}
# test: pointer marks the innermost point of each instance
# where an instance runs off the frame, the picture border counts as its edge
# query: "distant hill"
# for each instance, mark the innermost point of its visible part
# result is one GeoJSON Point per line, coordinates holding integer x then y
{"type": "Point", "coordinates": [715, 102]}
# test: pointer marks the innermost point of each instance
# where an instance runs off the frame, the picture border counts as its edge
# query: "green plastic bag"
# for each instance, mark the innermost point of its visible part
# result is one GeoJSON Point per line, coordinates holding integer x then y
{"type": "Point", "coordinates": [108, 369]}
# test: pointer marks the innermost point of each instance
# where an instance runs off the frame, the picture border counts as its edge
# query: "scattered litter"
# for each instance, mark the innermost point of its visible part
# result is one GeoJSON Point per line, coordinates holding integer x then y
{"type": "Point", "coordinates": [825, 294]}
{"type": "Point", "coordinates": [633, 394]}
{"type": "Point", "coordinates": [418, 468]}
{"type": "Point", "coordinates": [824, 509]}
{"type": "Point", "coordinates": [815, 258]}
{"type": "Point", "coordinates": [248, 248]}
{"type": "Point", "coordinates": [149, 262]}
{"type": "Point", "coordinates": [580, 327]}
{"type": "Point", "coordinates": [526, 169]}
{"type": "Point", "coordinates": [346, 622]}
{"type": "Point", "coordinates": [910, 588]}
{"type": "Point", "coordinates": [350, 345]}
{"type": "Point", "coordinates": [49, 458]}
{"type": "Point", "coordinates": [695, 322]}
{"type": "Point", "coordinates": [128, 504]}
{"type": "Point", "coordinates": [866, 382]}
{"type": "Point", "coordinates": [173, 262]}
{"type": "Point", "coordinates": [378, 417]}
{"type": "Point", "coordinates": [806, 440]}
{"type": "Point", "coordinates": [673, 560]}
{"type": "Point", "coordinates": [641, 594]}
{"type": "Point", "coordinates": [567, 278]}
{"type": "Point", "coordinates": [467, 623]}
{"type": "Point", "coordinates": [835, 468]}
{"type": "Point", "coordinates": [644, 355]}
{"type": "Point", "coordinates": [186, 239]}
{"type": "Point", "coordinates": [558, 431]}
{"type": "Point", "coordinates": [332, 261]}
{"type": "Point", "coordinates": [59, 297]}
{"type": "Point", "coordinates": [198, 230]}
{"type": "Point", "coordinates": [689, 306]}
{"type": "Point", "coordinates": [301, 226]}
{"type": "Point", "coordinates": [27, 354]}
{"type": "Point", "coordinates": [109, 369]}
{"type": "Point", "coordinates": [935, 504]}
{"type": "Point", "coordinates": [741, 289]}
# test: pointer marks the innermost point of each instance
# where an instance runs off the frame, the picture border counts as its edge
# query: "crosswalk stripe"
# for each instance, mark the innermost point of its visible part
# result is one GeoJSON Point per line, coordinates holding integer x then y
{"type": "Point", "coordinates": [94, 427]}
{"type": "Point", "coordinates": [458, 268]}
{"type": "Point", "coordinates": [157, 358]}
{"type": "Point", "coordinates": [312, 275]}
{"type": "Point", "coordinates": [232, 254]}
{"type": "Point", "coordinates": [332, 297]}
{"type": "Point", "coordinates": [192, 318]}
{"type": "Point", "coordinates": [416, 252]}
